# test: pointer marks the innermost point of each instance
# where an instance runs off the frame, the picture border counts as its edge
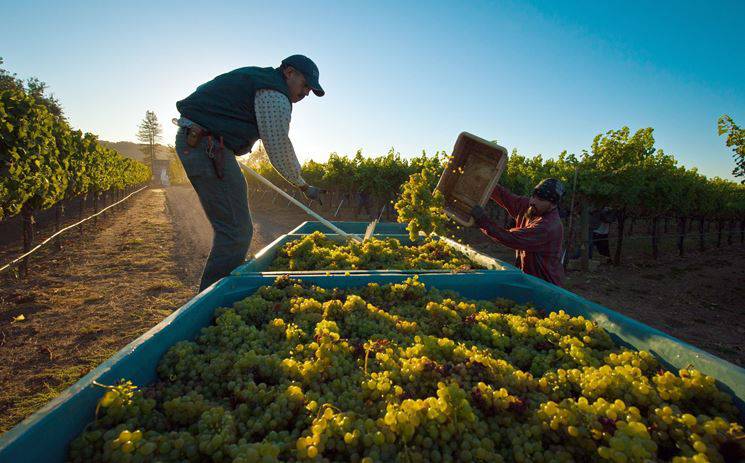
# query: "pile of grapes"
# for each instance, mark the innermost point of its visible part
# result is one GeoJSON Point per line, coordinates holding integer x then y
{"type": "Point", "coordinates": [318, 252]}
{"type": "Point", "coordinates": [406, 373]}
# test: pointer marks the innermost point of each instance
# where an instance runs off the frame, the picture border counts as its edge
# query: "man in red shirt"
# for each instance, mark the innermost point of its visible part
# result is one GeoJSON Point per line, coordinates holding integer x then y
{"type": "Point", "coordinates": [538, 232]}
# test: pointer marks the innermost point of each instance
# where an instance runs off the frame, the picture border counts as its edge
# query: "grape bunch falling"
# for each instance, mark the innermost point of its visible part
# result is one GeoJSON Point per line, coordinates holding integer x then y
{"type": "Point", "coordinates": [407, 373]}
{"type": "Point", "coordinates": [420, 206]}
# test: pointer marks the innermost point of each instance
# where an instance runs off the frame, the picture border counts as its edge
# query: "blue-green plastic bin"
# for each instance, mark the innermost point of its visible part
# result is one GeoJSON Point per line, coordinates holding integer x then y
{"type": "Point", "coordinates": [44, 436]}
{"type": "Point", "coordinates": [264, 258]}
{"type": "Point", "coordinates": [355, 228]}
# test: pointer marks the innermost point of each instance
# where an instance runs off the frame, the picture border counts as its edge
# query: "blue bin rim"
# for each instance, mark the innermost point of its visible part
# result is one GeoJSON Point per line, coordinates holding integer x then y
{"type": "Point", "coordinates": [341, 223]}
{"type": "Point", "coordinates": [274, 245]}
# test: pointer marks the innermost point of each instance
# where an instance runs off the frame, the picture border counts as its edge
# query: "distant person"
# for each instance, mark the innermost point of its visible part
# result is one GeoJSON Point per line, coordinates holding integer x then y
{"type": "Point", "coordinates": [363, 202]}
{"type": "Point", "coordinates": [600, 221]}
{"type": "Point", "coordinates": [538, 233]}
{"type": "Point", "coordinates": [164, 181]}
{"type": "Point", "coordinates": [223, 119]}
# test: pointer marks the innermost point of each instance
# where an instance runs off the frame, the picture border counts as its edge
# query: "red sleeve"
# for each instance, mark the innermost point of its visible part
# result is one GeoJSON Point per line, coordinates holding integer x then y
{"type": "Point", "coordinates": [533, 239]}
{"type": "Point", "coordinates": [512, 203]}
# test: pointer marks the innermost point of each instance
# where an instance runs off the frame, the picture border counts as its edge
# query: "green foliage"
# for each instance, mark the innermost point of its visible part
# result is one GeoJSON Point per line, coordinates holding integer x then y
{"type": "Point", "coordinates": [523, 173]}
{"type": "Point", "coordinates": [31, 171]}
{"type": "Point", "coordinates": [622, 170]}
{"type": "Point", "coordinates": [614, 166]}
{"type": "Point", "coordinates": [149, 133]}
{"type": "Point", "coordinates": [340, 172]}
{"type": "Point", "coordinates": [32, 87]}
{"type": "Point", "coordinates": [43, 162]}
{"type": "Point", "coordinates": [380, 176]}
{"type": "Point", "coordinates": [736, 141]}
{"type": "Point", "coordinates": [657, 182]}
{"type": "Point", "coordinates": [627, 173]}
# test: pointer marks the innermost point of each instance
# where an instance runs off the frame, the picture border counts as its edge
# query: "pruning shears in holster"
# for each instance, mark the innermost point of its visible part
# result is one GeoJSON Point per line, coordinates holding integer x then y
{"type": "Point", "coordinates": [215, 151]}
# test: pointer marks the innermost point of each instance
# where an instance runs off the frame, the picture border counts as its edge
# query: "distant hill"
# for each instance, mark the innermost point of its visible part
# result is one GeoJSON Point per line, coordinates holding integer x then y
{"type": "Point", "coordinates": [137, 150]}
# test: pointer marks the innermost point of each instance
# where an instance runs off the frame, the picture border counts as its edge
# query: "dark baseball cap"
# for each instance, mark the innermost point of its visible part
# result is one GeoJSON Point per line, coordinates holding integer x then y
{"type": "Point", "coordinates": [549, 189]}
{"type": "Point", "coordinates": [308, 68]}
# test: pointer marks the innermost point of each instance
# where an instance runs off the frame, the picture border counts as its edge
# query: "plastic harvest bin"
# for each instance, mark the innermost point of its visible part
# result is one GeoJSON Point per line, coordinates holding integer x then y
{"type": "Point", "coordinates": [45, 435]}
{"type": "Point", "coordinates": [264, 258]}
{"type": "Point", "coordinates": [470, 176]}
{"type": "Point", "coordinates": [358, 228]}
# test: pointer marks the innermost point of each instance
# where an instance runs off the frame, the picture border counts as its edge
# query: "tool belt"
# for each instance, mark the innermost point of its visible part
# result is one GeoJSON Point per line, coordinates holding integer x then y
{"type": "Point", "coordinates": [216, 153]}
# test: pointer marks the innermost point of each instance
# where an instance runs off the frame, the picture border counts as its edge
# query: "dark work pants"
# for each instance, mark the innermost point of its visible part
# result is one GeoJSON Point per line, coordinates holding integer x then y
{"type": "Point", "coordinates": [225, 202]}
{"type": "Point", "coordinates": [600, 241]}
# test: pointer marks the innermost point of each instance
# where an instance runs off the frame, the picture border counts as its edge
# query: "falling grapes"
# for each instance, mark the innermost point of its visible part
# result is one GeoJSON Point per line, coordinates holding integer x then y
{"type": "Point", "coordinates": [402, 372]}
{"type": "Point", "coordinates": [421, 206]}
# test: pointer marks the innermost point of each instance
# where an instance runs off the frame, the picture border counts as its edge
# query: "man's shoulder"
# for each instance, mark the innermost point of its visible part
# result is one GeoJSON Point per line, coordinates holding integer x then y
{"type": "Point", "coordinates": [251, 71]}
{"type": "Point", "coordinates": [550, 221]}
{"type": "Point", "coordinates": [254, 68]}
{"type": "Point", "coordinates": [553, 220]}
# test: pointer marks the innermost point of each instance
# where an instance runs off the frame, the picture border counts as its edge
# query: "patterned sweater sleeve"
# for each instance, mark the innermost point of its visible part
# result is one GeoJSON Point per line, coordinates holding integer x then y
{"type": "Point", "coordinates": [273, 111]}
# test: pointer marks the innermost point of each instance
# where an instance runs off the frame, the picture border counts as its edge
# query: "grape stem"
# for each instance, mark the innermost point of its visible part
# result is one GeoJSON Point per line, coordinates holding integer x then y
{"type": "Point", "coordinates": [105, 386]}
{"type": "Point", "coordinates": [98, 405]}
{"type": "Point", "coordinates": [323, 407]}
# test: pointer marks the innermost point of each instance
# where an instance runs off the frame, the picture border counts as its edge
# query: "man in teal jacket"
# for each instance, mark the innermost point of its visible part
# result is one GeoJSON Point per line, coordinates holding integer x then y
{"type": "Point", "coordinates": [223, 119]}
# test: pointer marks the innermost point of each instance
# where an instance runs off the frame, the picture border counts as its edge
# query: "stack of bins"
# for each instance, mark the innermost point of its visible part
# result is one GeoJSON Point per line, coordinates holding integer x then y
{"type": "Point", "coordinates": [44, 436]}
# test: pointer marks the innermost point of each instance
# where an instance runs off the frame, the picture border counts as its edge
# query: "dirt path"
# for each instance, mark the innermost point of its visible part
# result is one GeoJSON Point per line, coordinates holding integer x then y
{"type": "Point", "coordinates": [83, 304]}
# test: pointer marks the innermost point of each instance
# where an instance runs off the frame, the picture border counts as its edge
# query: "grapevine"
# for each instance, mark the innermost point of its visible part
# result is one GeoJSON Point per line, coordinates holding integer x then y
{"type": "Point", "coordinates": [43, 161]}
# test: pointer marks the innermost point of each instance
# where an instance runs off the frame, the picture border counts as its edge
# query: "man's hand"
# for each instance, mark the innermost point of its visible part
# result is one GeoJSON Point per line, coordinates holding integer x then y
{"type": "Point", "coordinates": [483, 221]}
{"type": "Point", "coordinates": [312, 193]}
{"type": "Point", "coordinates": [478, 213]}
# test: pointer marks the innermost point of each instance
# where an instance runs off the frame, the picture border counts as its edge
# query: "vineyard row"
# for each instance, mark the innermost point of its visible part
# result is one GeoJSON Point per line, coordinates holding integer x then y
{"type": "Point", "coordinates": [43, 161]}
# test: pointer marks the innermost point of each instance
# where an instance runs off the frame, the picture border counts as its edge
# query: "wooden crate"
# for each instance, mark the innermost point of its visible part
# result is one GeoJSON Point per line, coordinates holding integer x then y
{"type": "Point", "coordinates": [470, 176]}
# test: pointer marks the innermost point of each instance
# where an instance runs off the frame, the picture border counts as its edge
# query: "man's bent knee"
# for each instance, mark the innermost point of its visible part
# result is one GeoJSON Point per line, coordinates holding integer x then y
{"type": "Point", "coordinates": [236, 238]}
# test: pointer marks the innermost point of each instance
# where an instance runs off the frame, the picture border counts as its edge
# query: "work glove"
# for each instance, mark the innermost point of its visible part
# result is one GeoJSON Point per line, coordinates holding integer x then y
{"type": "Point", "coordinates": [482, 219]}
{"type": "Point", "coordinates": [312, 193]}
{"type": "Point", "coordinates": [478, 212]}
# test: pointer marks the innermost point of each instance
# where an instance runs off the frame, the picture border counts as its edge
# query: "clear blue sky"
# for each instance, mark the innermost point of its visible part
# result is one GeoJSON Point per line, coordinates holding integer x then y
{"type": "Point", "coordinates": [537, 76]}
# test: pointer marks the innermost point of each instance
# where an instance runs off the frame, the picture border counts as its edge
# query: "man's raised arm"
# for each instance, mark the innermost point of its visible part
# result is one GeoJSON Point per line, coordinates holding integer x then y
{"type": "Point", "coordinates": [512, 203]}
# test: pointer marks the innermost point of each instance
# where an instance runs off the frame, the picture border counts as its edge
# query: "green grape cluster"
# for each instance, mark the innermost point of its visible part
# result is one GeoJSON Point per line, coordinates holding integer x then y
{"type": "Point", "coordinates": [319, 252]}
{"type": "Point", "coordinates": [421, 207]}
{"type": "Point", "coordinates": [402, 372]}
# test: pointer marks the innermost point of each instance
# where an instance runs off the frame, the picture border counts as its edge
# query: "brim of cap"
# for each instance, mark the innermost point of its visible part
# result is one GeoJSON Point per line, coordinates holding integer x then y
{"type": "Point", "coordinates": [315, 86]}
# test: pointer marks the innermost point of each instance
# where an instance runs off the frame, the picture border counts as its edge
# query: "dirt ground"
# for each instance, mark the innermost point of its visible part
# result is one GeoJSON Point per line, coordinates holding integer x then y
{"type": "Point", "coordinates": [84, 303]}
{"type": "Point", "coordinates": [699, 299]}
